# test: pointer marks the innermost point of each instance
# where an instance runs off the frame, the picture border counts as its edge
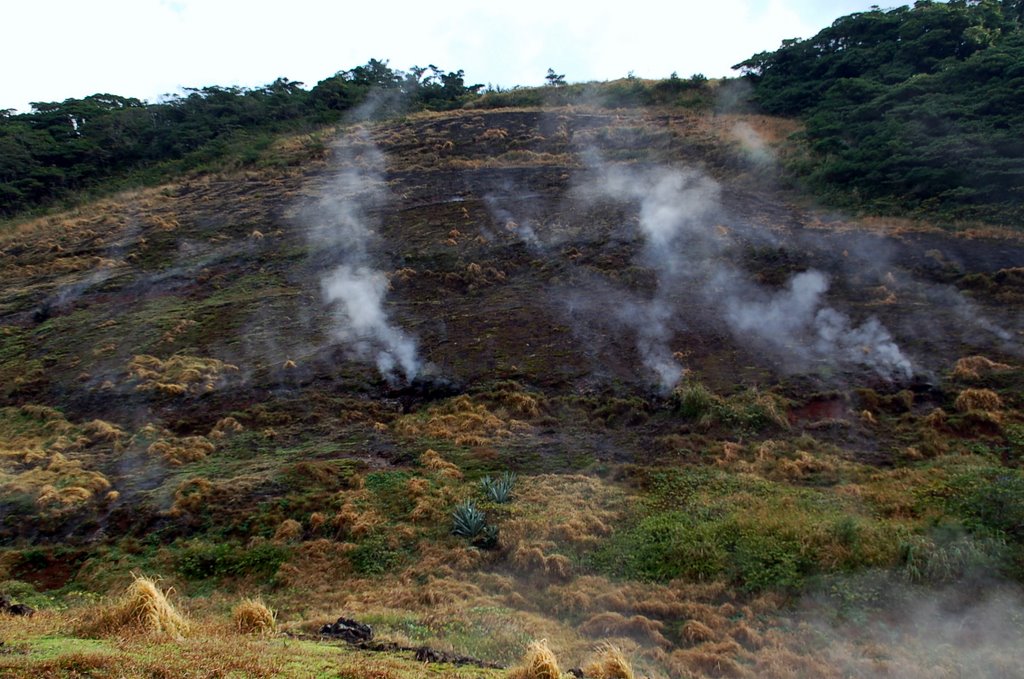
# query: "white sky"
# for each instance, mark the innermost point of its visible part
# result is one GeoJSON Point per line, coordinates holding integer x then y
{"type": "Point", "coordinates": [56, 49]}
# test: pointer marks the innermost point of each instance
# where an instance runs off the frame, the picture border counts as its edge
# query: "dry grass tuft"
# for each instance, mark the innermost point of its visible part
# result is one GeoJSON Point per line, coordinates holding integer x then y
{"type": "Point", "coordinates": [179, 374]}
{"type": "Point", "coordinates": [225, 427]}
{"type": "Point", "coordinates": [695, 632]}
{"type": "Point", "coordinates": [459, 420]}
{"type": "Point", "coordinates": [289, 530]}
{"type": "Point", "coordinates": [251, 616]}
{"type": "Point", "coordinates": [352, 520]}
{"type": "Point", "coordinates": [977, 399]}
{"type": "Point", "coordinates": [494, 133]}
{"type": "Point", "coordinates": [58, 483]}
{"type": "Point", "coordinates": [177, 451]}
{"type": "Point", "coordinates": [976, 367]}
{"type": "Point", "coordinates": [706, 662]}
{"type": "Point", "coordinates": [611, 664]}
{"type": "Point", "coordinates": [538, 663]}
{"type": "Point", "coordinates": [192, 495]}
{"type": "Point", "coordinates": [531, 558]}
{"type": "Point", "coordinates": [142, 609]}
{"type": "Point", "coordinates": [100, 430]}
{"type": "Point", "coordinates": [611, 624]}
{"type": "Point", "coordinates": [432, 460]}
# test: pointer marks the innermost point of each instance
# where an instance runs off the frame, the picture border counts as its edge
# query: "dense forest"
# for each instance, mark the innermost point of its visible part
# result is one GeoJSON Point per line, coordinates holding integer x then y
{"type": "Point", "coordinates": [917, 110]}
{"type": "Point", "coordinates": [61, 147]}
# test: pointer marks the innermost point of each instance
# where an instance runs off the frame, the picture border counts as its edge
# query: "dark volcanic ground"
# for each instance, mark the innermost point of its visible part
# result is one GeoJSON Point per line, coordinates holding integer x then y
{"type": "Point", "coordinates": [577, 254]}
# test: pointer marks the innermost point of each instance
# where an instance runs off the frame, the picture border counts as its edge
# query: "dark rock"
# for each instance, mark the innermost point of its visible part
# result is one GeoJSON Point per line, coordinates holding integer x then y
{"type": "Point", "coordinates": [427, 654]}
{"type": "Point", "coordinates": [351, 631]}
{"type": "Point", "coordinates": [577, 672]}
{"type": "Point", "coordinates": [21, 609]}
{"type": "Point", "coordinates": [41, 313]}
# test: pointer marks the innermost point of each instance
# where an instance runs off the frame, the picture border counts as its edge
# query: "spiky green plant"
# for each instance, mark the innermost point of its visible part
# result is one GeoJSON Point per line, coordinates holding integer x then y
{"type": "Point", "coordinates": [499, 490]}
{"type": "Point", "coordinates": [471, 523]}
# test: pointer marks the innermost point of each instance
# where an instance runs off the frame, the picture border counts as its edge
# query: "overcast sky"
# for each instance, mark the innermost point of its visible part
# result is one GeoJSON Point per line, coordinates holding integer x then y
{"type": "Point", "coordinates": [55, 49]}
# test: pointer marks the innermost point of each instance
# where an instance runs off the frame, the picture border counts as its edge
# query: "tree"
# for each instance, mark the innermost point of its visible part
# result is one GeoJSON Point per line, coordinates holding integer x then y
{"type": "Point", "coordinates": [554, 79]}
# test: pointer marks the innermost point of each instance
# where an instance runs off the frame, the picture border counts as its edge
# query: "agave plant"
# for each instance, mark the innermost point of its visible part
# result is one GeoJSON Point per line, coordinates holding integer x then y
{"type": "Point", "coordinates": [469, 522]}
{"type": "Point", "coordinates": [499, 490]}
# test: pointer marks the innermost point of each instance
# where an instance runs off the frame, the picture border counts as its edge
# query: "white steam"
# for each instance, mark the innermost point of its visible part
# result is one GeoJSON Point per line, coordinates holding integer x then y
{"type": "Point", "coordinates": [686, 250]}
{"type": "Point", "coordinates": [675, 211]}
{"type": "Point", "coordinates": [357, 297]}
{"type": "Point", "coordinates": [342, 223]}
{"type": "Point", "coordinates": [795, 319]}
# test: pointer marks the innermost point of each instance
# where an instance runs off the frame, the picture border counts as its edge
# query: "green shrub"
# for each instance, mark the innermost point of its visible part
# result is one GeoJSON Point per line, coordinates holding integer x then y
{"type": "Point", "coordinates": [471, 523]}
{"type": "Point", "coordinates": [947, 557]}
{"type": "Point", "coordinates": [498, 490]}
{"type": "Point", "coordinates": [202, 560]}
{"type": "Point", "coordinates": [693, 400]}
{"type": "Point", "coordinates": [376, 555]}
{"type": "Point", "coordinates": [765, 560]}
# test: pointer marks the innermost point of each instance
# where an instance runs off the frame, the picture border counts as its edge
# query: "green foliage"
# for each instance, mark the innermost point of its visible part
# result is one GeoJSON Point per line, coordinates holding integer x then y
{"type": "Point", "coordinates": [201, 560]}
{"type": "Point", "coordinates": [60, 148]}
{"type": "Point", "coordinates": [24, 593]}
{"type": "Point", "coordinates": [987, 499]}
{"type": "Point", "coordinates": [949, 557]}
{"type": "Point", "coordinates": [744, 413]}
{"type": "Point", "coordinates": [707, 544]}
{"type": "Point", "coordinates": [911, 109]}
{"type": "Point", "coordinates": [471, 523]}
{"type": "Point", "coordinates": [376, 555]}
{"type": "Point", "coordinates": [628, 92]}
{"type": "Point", "coordinates": [498, 490]}
{"type": "Point", "coordinates": [707, 524]}
{"type": "Point", "coordinates": [693, 400]}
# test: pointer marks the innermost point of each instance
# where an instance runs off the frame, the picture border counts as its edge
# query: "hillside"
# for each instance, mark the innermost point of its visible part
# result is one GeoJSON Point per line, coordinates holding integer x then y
{"type": "Point", "coordinates": [751, 437]}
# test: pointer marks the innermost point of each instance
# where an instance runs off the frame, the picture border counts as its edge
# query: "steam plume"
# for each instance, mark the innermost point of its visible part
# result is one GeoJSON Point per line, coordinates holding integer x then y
{"type": "Point", "coordinates": [342, 223]}
{"type": "Point", "coordinates": [676, 217]}
{"type": "Point", "coordinates": [795, 319]}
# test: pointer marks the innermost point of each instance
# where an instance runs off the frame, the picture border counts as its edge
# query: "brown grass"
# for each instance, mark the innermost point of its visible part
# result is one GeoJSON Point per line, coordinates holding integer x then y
{"type": "Point", "coordinates": [538, 663]}
{"type": "Point", "coordinates": [976, 367]}
{"type": "Point", "coordinates": [984, 400]}
{"type": "Point", "coordinates": [586, 507]}
{"type": "Point", "coordinates": [58, 483]}
{"type": "Point", "coordinates": [459, 420]}
{"type": "Point", "coordinates": [432, 460]}
{"type": "Point", "coordinates": [100, 430]}
{"type": "Point", "coordinates": [711, 660]}
{"type": "Point", "coordinates": [695, 632]}
{"type": "Point", "coordinates": [225, 427]}
{"type": "Point", "coordinates": [142, 609]}
{"type": "Point", "coordinates": [177, 451]}
{"type": "Point", "coordinates": [611, 663]}
{"type": "Point", "coordinates": [288, 530]}
{"type": "Point", "coordinates": [251, 616]}
{"type": "Point", "coordinates": [179, 374]}
{"type": "Point", "coordinates": [611, 624]}
{"type": "Point", "coordinates": [531, 558]}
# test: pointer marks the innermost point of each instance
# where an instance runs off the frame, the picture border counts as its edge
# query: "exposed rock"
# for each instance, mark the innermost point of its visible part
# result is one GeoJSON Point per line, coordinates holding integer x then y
{"type": "Point", "coordinates": [15, 609]}
{"type": "Point", "coordinates": [351, 631]}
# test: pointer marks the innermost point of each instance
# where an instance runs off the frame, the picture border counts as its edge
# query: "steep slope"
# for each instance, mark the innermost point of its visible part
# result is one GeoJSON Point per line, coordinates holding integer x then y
{"type": "Point", "coordinates": [712, 392]}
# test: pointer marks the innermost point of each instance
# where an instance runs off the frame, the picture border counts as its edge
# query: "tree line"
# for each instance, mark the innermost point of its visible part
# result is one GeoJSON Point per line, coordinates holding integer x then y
{"type": "Point", "coordinates": [915, 109]}
{"type": "Point", "coordinates": [59, 148]}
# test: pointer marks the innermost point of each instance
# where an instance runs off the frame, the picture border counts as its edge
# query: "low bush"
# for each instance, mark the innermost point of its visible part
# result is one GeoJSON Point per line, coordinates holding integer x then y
{"type": "Point", "coordinates": [498, 490]}
{"type": "Point", "coordinates": [471, 523]}
{"type": "Point", "coordinates": [201, 560]}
